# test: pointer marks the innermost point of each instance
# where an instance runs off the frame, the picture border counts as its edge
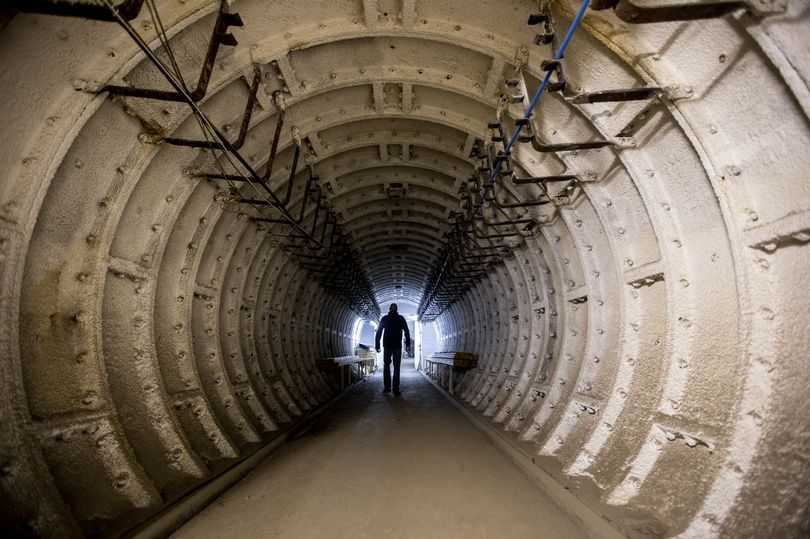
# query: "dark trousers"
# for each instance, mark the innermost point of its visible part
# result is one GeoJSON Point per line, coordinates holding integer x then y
{"type": "Point", "coordinates": [390, 354]}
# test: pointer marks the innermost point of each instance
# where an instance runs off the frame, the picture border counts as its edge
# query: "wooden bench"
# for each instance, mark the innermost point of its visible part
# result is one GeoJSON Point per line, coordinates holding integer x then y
{"type": "Point", "coordinates": [352, 368]}
{"type": "Point", "coordinates": [441, 367]}
{"type": "Point", "coordinates": [367, 355]}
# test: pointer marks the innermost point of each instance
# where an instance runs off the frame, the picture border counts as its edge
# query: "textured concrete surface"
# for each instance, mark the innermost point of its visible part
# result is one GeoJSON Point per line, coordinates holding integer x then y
{"type": "Point", "coordinates": [645, 341]}
{"type": "Point", "coordinates": [376, 465]}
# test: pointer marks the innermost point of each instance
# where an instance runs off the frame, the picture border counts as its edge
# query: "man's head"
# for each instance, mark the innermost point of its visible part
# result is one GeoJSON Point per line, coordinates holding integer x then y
{"type": "Point", "coordinates": [393, 308]}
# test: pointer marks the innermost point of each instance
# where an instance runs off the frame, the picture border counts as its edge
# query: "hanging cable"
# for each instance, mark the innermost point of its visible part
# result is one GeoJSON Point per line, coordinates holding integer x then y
{"type": "Point", "coordinates": [493, 177]}
{"type": "Point", "coordinates": [164, 40]}
{"type": "Point", "coordinates": [229, 152]}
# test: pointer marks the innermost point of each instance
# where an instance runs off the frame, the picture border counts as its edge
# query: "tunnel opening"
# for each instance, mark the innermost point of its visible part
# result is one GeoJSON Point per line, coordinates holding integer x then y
{"type": "Point", "coordinates": [596, 229]}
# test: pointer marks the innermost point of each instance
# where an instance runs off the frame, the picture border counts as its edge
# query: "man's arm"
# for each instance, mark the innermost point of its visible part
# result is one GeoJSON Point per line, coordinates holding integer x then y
{"type": "Point", "coordinates": [378, 335]}
{"type": "Point", "coordinates": [407, 333]}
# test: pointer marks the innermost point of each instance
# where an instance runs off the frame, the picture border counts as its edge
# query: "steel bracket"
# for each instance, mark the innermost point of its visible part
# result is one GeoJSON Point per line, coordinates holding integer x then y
{"type": "Point", "coordinates": [644, 12]}
{"type": "Point", "coordinates": [220, 36]}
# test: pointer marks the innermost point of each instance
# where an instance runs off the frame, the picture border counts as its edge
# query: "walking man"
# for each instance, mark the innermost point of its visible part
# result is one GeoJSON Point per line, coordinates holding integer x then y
{"type": "Point", "coordinates": [393, 324]}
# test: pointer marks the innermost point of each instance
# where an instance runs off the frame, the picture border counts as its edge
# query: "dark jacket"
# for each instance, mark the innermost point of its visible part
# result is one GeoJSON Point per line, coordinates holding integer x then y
{"type": "Point", "coordinates": [393, 324]}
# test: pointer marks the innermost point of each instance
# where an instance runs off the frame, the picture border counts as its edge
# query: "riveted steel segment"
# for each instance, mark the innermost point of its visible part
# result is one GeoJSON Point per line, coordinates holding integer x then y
{"type": "Point", "coordinates": [643, 341]}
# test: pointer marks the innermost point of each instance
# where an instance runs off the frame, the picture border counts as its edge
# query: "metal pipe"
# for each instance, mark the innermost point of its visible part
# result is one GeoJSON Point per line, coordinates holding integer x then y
{"type": "Point", "coordinates": [290, 181]}
{"type": "Point", "coordinates": [305, 197]}
{"type": "Point", "coordinates": [243, 128]}
{"type": "Point", "coordinates": [544, 179]}
{"type": "Point", "coordinates": [276, 136]}
{"type": "Point", "coordinates": [128, 9]}
{"type": "Point", "coordinates": [427, 298]}
{"type": "Point", "coordinates": [220, 36]}
{"type": "Point", "coordinates": [228, 148]}
{"type": "Point", "coordinates": [317, 212]}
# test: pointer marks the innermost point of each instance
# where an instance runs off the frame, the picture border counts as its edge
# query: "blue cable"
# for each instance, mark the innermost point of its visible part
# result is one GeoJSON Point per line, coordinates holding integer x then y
{"type": "Point", "coordinates": [558, 56]}
{"type": "Point", "coordinates": [494, 175]}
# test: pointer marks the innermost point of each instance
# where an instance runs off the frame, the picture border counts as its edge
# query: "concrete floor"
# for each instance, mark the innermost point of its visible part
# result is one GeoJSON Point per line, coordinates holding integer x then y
{"type": "Point", "coordinates": [376, 465]}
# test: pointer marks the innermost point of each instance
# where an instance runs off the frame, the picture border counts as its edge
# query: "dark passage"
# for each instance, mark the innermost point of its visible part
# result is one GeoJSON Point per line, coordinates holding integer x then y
{"type": "Point", "coordinates": [377, 465]}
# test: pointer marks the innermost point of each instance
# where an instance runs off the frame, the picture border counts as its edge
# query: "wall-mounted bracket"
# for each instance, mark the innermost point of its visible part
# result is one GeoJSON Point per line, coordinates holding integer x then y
{"type": "Point", "coordinates": [127, 10]}
{"type": "Point", "coordinates": [220, 36]}
{"type": "Point", "coordinates": [642, 12]}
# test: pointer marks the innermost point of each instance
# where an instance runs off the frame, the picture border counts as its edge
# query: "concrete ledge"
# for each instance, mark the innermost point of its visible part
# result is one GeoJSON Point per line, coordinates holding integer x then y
{"type": "Point", "coordinates": [594, 524]}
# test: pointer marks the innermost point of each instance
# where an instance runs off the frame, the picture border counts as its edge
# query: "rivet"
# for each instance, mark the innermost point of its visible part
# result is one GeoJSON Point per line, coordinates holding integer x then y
{"type": "Point", "coordinates": [674, 404]}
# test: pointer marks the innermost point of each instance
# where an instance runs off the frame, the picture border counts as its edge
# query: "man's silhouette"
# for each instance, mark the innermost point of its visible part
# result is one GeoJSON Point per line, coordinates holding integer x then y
{"type": "Point", "coordinates": [393, 324]}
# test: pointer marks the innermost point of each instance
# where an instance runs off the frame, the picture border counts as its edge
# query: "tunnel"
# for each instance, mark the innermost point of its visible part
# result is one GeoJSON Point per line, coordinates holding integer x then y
{"type": "Point", "coordinates": [606, 204]}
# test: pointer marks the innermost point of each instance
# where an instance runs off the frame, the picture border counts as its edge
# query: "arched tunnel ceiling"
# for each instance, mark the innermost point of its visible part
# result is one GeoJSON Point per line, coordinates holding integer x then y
{"type": "Point", "coordinates": [642, 338]}
{"type": "Point", "coordinates": [388, 158]}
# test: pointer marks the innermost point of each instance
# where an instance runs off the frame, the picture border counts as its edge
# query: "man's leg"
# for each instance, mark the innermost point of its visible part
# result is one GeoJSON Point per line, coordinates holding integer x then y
{"type": "Point", "coordinates": [387, 352]}
{"type": "Point", "coordinates": [397, 357]}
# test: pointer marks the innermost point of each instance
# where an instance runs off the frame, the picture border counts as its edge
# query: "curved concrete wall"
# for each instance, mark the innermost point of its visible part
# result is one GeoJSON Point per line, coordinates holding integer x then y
{"type": "Point", "coordinates": [647, 343]}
